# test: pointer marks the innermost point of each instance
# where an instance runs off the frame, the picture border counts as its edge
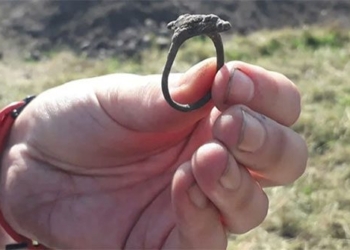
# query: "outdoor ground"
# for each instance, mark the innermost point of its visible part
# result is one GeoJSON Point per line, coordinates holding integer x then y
{"type": "Point", "coordinates": [313, 213]}
{"type": "Point", "coordinates": [103, 28]}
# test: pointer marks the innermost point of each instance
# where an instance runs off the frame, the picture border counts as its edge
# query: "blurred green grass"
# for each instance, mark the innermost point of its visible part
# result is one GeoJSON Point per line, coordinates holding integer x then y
{"type": "Point", "coordinates": [313, 213]}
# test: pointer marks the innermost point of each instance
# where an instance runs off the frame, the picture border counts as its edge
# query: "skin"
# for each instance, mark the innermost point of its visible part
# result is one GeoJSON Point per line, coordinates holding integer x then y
{"type": "Point", "coordinates": [106, 163]}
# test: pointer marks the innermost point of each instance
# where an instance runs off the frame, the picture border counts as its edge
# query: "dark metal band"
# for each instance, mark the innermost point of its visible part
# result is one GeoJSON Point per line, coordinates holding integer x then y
{"type": "Point", "coordinates": [15, 113]}
{"type": "Point", "coordinates": [174, 47]}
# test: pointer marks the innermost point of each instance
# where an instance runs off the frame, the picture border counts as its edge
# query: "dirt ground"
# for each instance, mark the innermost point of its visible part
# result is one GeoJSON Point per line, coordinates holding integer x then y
{"type": "Point", "coordinates": [105, 28]}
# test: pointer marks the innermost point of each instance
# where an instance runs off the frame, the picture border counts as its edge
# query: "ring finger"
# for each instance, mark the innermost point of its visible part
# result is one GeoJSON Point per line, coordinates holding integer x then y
{"type": "Point", "coordinates": [238, 197]}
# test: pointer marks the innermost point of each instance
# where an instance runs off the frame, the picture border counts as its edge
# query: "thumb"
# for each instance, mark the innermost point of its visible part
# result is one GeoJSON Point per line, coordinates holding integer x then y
{"type": "Point", "coordinates": [137, 102]}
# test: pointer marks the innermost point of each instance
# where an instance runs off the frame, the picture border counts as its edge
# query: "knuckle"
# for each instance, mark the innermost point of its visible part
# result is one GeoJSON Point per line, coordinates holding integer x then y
{"type": "Point", "coordinates": [294, 114]}
{"type": "Point", "coordinates": [298, 169]}
{"type": "Point", "coordinates": [292, 161]}
{"type": "Point", "coordinates": [249, 220]}
{"type": "Point", "coordinates": [291, 97]}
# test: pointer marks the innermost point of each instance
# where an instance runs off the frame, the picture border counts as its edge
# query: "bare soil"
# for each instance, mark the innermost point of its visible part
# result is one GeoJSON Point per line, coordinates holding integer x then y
{"type": "Point", "coordinates": [121, 27]}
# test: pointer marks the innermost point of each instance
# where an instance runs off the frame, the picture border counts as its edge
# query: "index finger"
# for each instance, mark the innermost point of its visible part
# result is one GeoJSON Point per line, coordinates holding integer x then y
{"type": "Point", "coordinates": [266, 92]}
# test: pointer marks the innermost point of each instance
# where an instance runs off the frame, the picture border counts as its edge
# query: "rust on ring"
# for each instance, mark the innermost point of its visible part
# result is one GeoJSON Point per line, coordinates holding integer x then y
{"type": "Point", "coordinates": [186, 27]}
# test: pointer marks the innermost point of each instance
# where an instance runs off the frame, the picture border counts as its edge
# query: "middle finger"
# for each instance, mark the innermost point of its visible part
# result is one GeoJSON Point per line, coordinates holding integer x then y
{"type": "Point", "coordinates": [273, 153]}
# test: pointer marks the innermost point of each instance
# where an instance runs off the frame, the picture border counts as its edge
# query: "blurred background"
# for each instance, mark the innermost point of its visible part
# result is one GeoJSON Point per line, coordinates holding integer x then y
{"type": "Point", "coordinates": [47, 43]}
{"type": "Point", "coordinates": [107, 28]}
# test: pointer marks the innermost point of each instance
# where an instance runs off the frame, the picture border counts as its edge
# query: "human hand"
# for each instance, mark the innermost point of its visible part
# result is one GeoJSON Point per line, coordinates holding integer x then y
{"type": "Point", "coordinates": [106, 163]}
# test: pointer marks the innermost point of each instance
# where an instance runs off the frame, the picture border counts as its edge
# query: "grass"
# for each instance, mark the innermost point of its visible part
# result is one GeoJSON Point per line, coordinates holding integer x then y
{"type": "Point", "coordinates": [313, 213]}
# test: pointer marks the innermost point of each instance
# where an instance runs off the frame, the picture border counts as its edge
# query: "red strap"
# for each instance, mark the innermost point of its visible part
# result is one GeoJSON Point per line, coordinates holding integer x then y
{"type": "Point", "coordinates": [6, 122]}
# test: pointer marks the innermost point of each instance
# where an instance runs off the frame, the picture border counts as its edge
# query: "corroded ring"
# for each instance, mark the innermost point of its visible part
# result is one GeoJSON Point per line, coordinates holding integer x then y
{"type": "Point", "coordinates": [186, 27]}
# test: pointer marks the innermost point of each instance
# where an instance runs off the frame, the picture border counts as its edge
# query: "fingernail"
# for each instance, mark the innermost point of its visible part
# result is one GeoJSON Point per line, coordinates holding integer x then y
{"type": "Point", "coordinates": [240, 88]}
{"type": "Point", "coordinates": [197, 197]}
{"type": "Point", "coordinates": [253, 133]}
{"type": "Point", "coordinates": [227, 179]}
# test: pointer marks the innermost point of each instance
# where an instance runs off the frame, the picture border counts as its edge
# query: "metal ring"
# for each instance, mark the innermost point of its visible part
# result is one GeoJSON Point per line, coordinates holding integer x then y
{"type": "Point", "coordinates": [216, 38]}
{"type": "Point", "coordinates": [185, 27]}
